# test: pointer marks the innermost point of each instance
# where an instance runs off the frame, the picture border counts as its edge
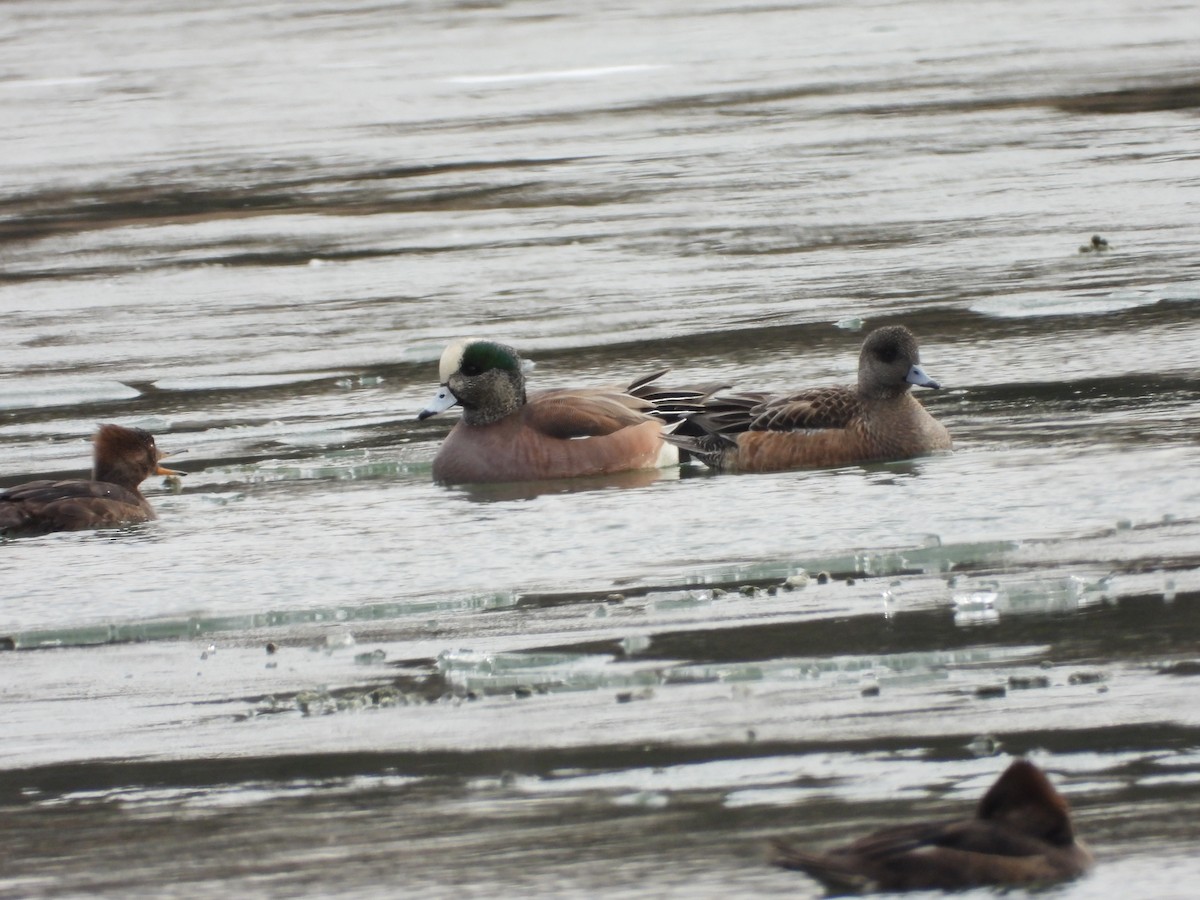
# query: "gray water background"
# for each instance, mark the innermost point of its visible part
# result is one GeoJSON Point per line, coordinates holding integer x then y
{"type": "Point", "coordinates": [251, 228]}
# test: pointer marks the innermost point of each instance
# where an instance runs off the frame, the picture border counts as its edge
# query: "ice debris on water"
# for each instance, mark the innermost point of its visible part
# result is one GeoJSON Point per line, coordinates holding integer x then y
{"type": "Point", "coordinates": [324, 702]}
{"type": "Point", "coordinates": [849, 323]}
{"type": "Point", "coordinates": [884, 563]}
{"type": "Point", "coordinates": [630, 696]}
{"type": "Point", "coordinates": [985, 602]}
{"type": "Point", "coordinates": [797, 581]}
{"type": "Point", "coordinates": [339, 640]}
{"type": "Point", "coordinates": [635, 644]}
{"type": "Point", "coordinates": [984, 745]}
{"type": "Point", "coordinates": [1186, 668]}
{"type": "Point", "coordinates": [1027, 682]}
{"type": "Point", "coordinates": [644, 800]}
{"type": "Point", "coordinates": [976, 607]}
{"type": "Point", "coordinates": [360, 381]}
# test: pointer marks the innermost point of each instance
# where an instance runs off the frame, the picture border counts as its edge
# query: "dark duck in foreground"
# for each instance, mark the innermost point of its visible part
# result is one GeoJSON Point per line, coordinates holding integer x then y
{"type": "Point", "coordinates": [1021, 836]}
{"type": "Point", "coordinates": [876, 420]}
{"type": "Point", "coordinates": [506, 435]}
{"type": "Point", "coordinates": [122, 459]}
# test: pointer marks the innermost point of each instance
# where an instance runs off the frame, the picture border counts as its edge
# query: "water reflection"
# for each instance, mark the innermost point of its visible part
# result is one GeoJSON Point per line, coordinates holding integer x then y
{"type": "Point", "coordinates": [529, 490]}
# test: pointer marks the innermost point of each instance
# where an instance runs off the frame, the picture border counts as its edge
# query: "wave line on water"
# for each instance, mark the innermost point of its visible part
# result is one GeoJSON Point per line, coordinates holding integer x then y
{"type": "Point", "coordinates": [556, 74]}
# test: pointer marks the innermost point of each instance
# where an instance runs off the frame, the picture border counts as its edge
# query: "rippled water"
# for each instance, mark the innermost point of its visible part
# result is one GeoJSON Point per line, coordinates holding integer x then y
{"type": "Point", "coordinates": [252, 228]}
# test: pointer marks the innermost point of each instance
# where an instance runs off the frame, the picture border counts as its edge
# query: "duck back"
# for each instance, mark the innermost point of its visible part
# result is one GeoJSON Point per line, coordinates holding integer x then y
{"type": "Point", "coordinates": [40, 507]}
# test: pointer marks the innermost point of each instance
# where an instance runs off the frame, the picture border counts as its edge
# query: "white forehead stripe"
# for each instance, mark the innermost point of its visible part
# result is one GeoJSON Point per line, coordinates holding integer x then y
{"type": "Point", "coordinates": [452, 357]}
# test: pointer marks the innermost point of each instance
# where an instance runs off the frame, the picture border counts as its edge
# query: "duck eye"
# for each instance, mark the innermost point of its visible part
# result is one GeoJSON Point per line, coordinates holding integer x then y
{"type": "Point", "coordinates": [471, 369]}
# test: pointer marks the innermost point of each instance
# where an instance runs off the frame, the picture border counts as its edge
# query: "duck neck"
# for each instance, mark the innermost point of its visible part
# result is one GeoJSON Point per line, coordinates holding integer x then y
{"type": "Point", "coordinates": [882, 391]}
{"type": "Point", "coordinates": [119, 473]}
{"type": "Point", "coordinates": [498, 399]}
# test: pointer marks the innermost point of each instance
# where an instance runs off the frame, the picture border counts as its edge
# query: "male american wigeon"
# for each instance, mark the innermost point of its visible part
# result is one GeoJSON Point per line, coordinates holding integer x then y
{"type": "Point", "coordinates": [505, 435]}
{"type": "Point", "coordinates": [878, 419]}
{"type": "Point", "coordinates": [122, 459]}
{"type": "Point", "coordinates": [1021, 835]}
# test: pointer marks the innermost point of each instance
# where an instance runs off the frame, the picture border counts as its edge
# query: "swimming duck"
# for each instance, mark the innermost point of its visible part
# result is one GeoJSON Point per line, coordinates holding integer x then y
{"type": "Point", "coordinates": [878, 419]}
{"type": "Point", "coordinates": [122, 459]}
{"type": "Point", "coordinates": [506, 435]}
{"type": "Point", "coordinates": [1021, 835]}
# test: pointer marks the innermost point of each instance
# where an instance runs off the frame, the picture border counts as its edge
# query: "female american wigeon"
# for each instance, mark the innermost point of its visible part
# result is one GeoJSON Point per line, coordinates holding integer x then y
{"type": "Point", "coordinates": [122, 459]}
{"type": "Point", "coordinates": [505, 435]}
{"type": "Point", "coordinates": [878, 419]}
{"type": "Point", "coordinates": [1021, 835]}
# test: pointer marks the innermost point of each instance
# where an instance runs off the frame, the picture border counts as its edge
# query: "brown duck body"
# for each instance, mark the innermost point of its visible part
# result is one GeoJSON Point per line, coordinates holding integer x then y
{"type": "Point", "coordinates": [44, 506]}
{"type": "Point", "coordinates": [833, 427]}
{"type": "Point", "coordinates": [506, 435]}
{"type": "Point", "coordinates": [1021, 836]}
{"type": "Point", "coordinates": [123, 458]}
{"type": "Point", "coordinates": [555, 434]}
{"type": "Point", "coordinates": [875, 420]}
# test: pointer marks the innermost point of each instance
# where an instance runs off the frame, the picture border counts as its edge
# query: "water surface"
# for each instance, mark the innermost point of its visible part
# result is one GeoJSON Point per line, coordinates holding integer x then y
{"type": "Point", "coordinates": [252, 228]}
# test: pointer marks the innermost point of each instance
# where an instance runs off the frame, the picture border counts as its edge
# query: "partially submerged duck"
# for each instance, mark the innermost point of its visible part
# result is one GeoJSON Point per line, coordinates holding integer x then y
{"type": "Point", "coordinates": [1021, 836]}
{"type": "Point", "coordinates": [875, 420]}
{"type": "Point", "coordinates": [506, 434]}
{"type": "Point", "coordinates": [122, 459]}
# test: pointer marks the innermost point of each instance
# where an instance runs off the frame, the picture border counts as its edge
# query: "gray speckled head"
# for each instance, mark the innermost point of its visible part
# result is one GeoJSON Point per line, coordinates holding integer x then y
{"type": "Point", "coordinates": [890, 363]}
{"type": "Point", "coordinates": [486, 378]}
